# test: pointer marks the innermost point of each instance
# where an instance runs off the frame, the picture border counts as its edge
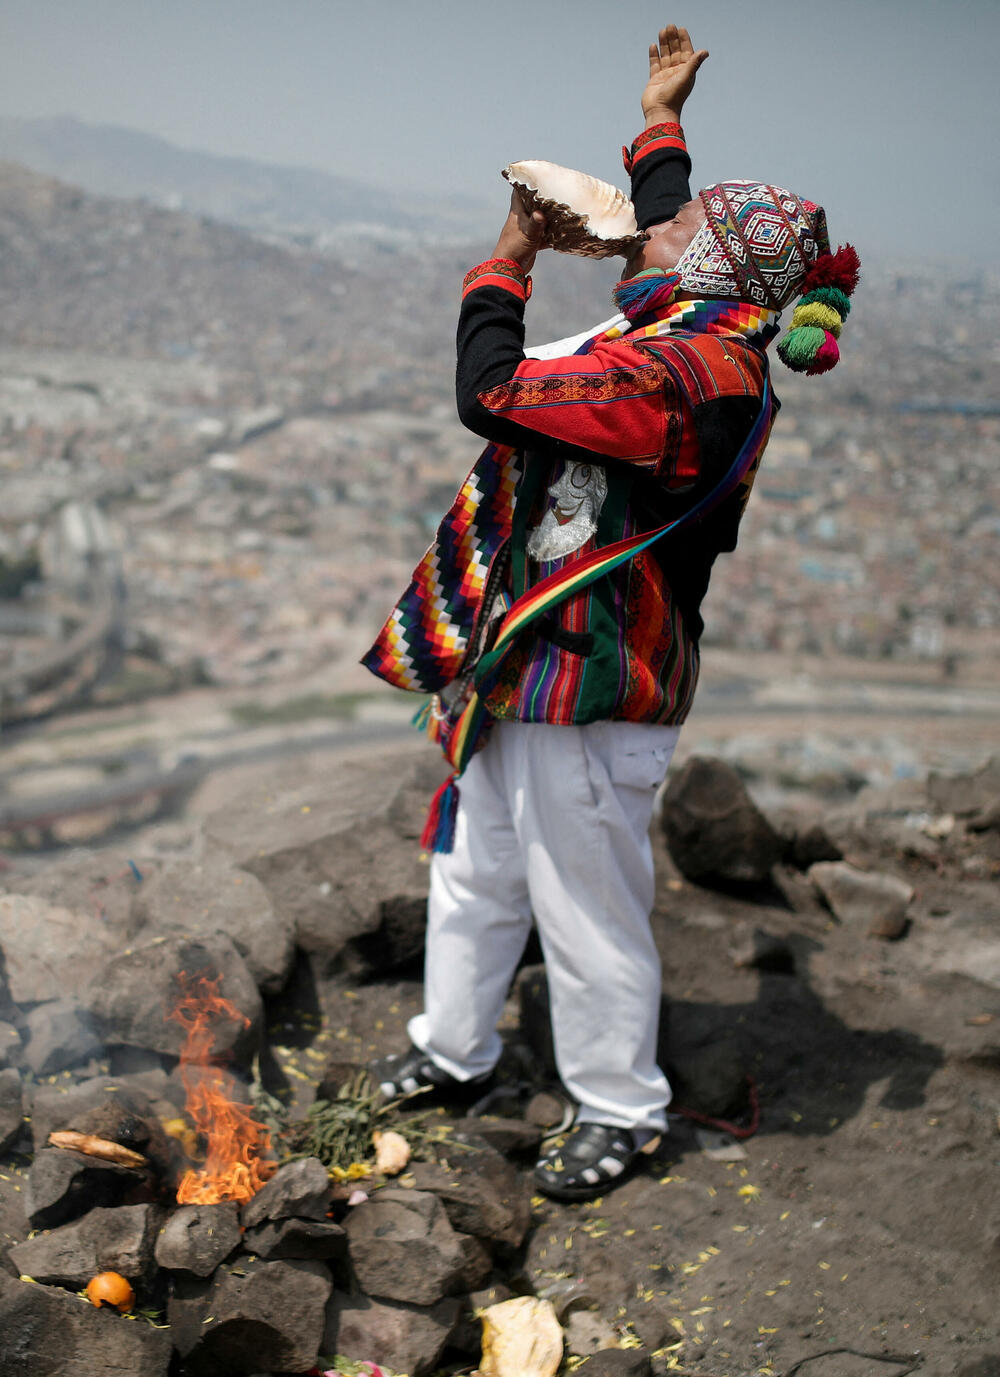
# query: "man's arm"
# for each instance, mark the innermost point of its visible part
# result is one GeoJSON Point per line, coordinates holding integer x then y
{"type": "Point", "coordinates": [658, 161]}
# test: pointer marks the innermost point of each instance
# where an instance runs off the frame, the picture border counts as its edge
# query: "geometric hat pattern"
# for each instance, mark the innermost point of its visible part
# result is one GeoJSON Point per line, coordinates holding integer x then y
{"type": "Point", "coordinates": [756, 245]}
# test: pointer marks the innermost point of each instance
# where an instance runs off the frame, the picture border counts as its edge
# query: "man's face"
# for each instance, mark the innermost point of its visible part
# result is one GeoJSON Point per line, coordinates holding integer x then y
{"type": "Point", "coordinates": [667, 241]}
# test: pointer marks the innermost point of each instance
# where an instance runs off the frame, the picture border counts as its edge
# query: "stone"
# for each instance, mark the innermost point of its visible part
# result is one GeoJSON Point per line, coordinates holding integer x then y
{"type": "Point", "coordinates": [535, 1018]}
{"type": "Point", "coordinates": [132, 995]}
{"type": "Point", "coordinates": [105, 1240]}
{"type": "Point", "coordinates": [299, 1190]}
{"type": "Point", "coordinates": [297, 1238]}
{"type": "Point", "coordinates": [476, 1262]}
{"type": "Point", "coordinates": [250, 1317]}
{"type": "Point", "coordinates": [338, 852]}
{"type": "Point", "coordinates": [214, 896]}
{"type": "Point", "coordinates": [62, 1185]}
{"type": "Point", "coordinates": [102, 1106]}
{"type": "Point", "coordinates": [587, 1333]}
{"type": "Point", "coordinates": [402, 1247]}
{"type": "Point", "coordinates": [482, 1194]}
{"type": "Point", "coordinates": [59, 1036]}
{"type": "Point", "coordinates": [810, 844]}
{"type": "Point", "coordinates": [46, 1332]}
{"type": "Point", "coordinates": [93, 881]}
{"type": "Point", "coordinates": [986, 819]}
{"type": "Point", "coordinates": [714, 830]}
{"type": "Point", "coordinates": [404, 1338]}
{"type": "Point", "coordinates": [503, 1135]}
{"type": "Point", "coordinates": [545, 1111]}
{"type": "Point", "coordinates": [985, 1365]}
{"type": "Point", "coordinates": [196, 1238]}
{"type": "Point", "coordinates": [617, 1362]}
{"type": "Point", "coordinates": [965, 794]}
{"type": "Point", "coordinates": [11, 1107]}
{"type": "Point", "coordinates": [704, 1061]}
{"type": "Point", "coordinates": [859, 896]}
{"type": "Point", "coordinates": [49, 951]}
{"type": "Point", "coordinates": [11, 1053]}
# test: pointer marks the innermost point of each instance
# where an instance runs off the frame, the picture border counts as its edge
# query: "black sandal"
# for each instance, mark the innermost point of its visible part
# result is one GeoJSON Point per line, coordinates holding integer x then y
{"type": "Point", "coordinates": [413, 1071]}
{"type": "Point", "coordinates": [587, 1160]}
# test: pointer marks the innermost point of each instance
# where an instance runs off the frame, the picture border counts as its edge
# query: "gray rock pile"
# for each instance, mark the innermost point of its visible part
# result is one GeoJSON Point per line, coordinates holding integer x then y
{"type": "Point", "coordinates": [300, 890]}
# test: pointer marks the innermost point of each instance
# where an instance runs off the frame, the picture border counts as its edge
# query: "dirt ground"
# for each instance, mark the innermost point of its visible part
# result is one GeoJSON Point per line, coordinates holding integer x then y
{"type": "Point", "coordinates": [863, 1214]}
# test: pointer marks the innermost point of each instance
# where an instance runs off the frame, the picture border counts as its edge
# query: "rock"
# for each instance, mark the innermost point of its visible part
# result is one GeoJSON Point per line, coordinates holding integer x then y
{"type": "Point", "coordinates": [477, 1263]}
{"type": "Point", "coordinates": [254, 1317]}
{"type": "Point", "coordinates": [986, 819]}
{"type": "Point", "coordinates": [810, 844]}
{"type": "Point", "coordinates": [617, 1362]}
{"type": "Point", "coordinates": [965, 794]}
{"type": "Point", "coordinates": [49, 952]}
{"type": "Point", "coordinates": [763, 951]}
{"type": "Point", "coordinates": [62, 1185]}
{"type": "Point", "coordinates": [985, 1365]}
{"type": "Point", "coordinates": [297, 1238]}
{"type": "Point", "coordinates": [545, 1111]}
{"type": "Point", "coordinates": [587, 1333]}
{"type": "Point", "coordinates": [299, 1190]}
{"type": "Point", "coordinates": [402, 1247]}
{"type": "Point", "coordinates": [104, 1106]}
{"type": "Point", "coordinates": [105, 1240]}
{"type": "Point", "coordinates": [861, 896]}
{"type": "Point", "coordinates": [467, 1334]}
{"type": "Point", "coordinates": [703, 1060]}
{"type": "Point", "coordinates": [92, 881]}
{"type": "Point", "coordinates": [11, 1107]}
{"type": "Point", "coordinates": [714, 830]}
{"type": "Point", "coordinates": [482, 1194]}
{"type": "Point", "coordinates": [503, 1135]}
{"type": "Point", "coordinates": [250, 1318]}
{"type": "Point", "coordinates": [405, 1338]}
{"type": "Point", "coordinates": [132, 995]}
{"type": "Point", "coordinates": [44, 1331]}
{"type": "Point", "coordinates": [535, 1018]}
{"type": "Point", "coordinates": [338, 852]}
{"type": "Point", "coordinates": [60, 1035]}
{"type": "Point", "coordinates": [196, 1238]}
{"type": "Point", "coordinates": [10, 1044]}
{"type": "Point", "coordinates": [213, 896]}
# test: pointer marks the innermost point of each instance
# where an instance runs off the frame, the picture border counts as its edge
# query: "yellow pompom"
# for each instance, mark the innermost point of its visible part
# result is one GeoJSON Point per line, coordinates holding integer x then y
{"type": "Point", "coordinates": [815, 313]}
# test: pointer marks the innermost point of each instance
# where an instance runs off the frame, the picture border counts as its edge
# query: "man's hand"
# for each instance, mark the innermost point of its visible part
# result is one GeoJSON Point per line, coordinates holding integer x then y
{"type": "Point", "coordinates": [673, 66]}
{"type": "Point", "coordinates": [522, 235]}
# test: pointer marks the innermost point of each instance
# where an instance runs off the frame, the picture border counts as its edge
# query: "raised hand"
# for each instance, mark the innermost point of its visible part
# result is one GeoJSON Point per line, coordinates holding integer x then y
{"type": "Point", "coordinates": [673, 66]}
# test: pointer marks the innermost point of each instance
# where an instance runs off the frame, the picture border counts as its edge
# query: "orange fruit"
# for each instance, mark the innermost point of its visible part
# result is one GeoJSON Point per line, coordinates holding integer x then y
{"type": "Point", "coordinates": [110, 1288]}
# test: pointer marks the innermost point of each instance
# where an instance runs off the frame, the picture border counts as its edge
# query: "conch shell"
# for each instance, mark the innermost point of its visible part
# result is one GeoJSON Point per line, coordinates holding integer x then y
{"type": "Point", "coordinates": [583, 215]}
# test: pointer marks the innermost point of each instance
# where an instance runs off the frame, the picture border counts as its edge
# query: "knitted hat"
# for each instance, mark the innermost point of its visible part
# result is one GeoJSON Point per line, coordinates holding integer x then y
{"type": "Point", "coordinates": [763, 245]}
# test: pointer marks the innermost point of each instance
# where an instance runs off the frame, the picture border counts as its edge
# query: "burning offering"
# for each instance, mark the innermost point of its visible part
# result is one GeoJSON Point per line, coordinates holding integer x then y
{"type": "Point", "coordinates": [237, 1146]}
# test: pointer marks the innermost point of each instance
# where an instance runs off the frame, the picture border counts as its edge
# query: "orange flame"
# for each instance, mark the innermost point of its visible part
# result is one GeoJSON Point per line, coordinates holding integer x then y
{"type": "Point", "coordinates": [236, 1143]}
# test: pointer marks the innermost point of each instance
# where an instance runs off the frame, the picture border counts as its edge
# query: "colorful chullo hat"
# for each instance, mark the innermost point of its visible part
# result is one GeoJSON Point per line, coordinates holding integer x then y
{"type": "Point", "coordinates": [764, 245]}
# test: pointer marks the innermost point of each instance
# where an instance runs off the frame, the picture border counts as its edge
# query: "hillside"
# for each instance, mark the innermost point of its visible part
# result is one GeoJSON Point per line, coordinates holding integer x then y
{"type": "Point", "coordinates": [112, 161]}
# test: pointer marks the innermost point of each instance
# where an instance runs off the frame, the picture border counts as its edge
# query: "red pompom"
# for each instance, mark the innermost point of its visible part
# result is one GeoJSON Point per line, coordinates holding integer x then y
{"type": "Point", "coordinates": [841, 269]}
{"type": "Point", "coordinates": [826, 356]}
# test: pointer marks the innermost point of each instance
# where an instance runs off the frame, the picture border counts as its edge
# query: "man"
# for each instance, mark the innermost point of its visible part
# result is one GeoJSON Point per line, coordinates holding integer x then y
{"type": "Point", "coordinates": [581, 669]}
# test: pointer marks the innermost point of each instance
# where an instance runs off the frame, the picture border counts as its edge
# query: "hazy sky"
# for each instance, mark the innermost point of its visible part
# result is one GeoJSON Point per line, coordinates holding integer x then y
{"type": "Point", "coordinates": [886, 111]}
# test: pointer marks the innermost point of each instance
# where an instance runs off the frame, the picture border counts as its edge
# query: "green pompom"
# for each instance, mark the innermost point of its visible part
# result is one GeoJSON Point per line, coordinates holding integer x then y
{"type": "Point", "coordinates": [829, 296]}
{"type": "Point", "coordinates": [801, 345]}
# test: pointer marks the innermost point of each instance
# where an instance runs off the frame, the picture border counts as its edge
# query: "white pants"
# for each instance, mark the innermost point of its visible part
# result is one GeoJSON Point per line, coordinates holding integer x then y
{"type": "Point", "coordinates": [554, 821]}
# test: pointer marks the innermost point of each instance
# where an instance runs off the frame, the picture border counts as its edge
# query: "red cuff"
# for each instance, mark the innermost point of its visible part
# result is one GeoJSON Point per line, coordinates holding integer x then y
{"type": "Point", "coordinates": [657, 139]}
{"type": "Point", "coordinates": [498, 272]}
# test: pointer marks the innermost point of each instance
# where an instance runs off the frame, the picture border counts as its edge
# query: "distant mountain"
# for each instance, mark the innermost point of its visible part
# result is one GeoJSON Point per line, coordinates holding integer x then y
{"type": "Point", "coordinates": [122, 277]}
{"type": "Point", "coordinates": [263, 197]}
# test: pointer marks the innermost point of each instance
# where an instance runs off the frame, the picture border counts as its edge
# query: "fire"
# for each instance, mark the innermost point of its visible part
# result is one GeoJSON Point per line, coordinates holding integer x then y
{"type": "Point", "coordinates": [236, 1143]}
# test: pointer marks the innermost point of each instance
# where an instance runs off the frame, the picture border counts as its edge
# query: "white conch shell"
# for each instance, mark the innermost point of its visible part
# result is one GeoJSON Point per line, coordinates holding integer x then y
{"type": "Point", "coordinates": [521, 1338]}
{"type": "Point", "coordinates": [583, 215]}
{"type": "Point", "coordinates": [392, 1152]}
